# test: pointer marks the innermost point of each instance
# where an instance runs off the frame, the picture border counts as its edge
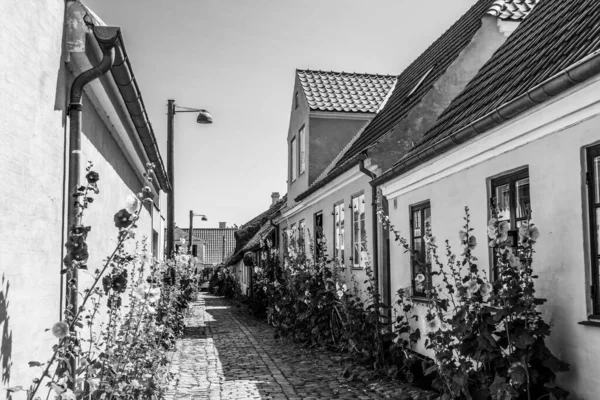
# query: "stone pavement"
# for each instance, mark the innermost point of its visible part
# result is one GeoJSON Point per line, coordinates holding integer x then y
{"type": "Point", "coordinates": [228, 354]}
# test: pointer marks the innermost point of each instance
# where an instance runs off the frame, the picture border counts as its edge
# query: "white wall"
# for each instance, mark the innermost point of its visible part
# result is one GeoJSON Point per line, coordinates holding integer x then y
{"type": "Point", "coordinates": [554, 153]}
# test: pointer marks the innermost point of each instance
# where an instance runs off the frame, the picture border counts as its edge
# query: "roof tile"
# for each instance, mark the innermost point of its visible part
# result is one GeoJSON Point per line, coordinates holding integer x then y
{"type": "Point", "coordinates": [345, 92]}
{"type": "Point", "coordinates": [556, 35]}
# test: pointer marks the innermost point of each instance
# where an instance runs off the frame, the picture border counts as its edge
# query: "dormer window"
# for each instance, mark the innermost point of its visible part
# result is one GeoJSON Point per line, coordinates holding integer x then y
{"type": "Point", "coordinates": [425, 75]}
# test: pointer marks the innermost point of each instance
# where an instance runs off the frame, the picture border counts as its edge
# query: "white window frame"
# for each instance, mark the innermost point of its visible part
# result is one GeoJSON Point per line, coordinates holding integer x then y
{"type": "Point", "coordinates": [359, 240]}
{"type": "Point", "coordinates": [302, 149]}
{"type": "Point", "coordinates": [338, 231]}
{"type": "Point", "coordinates": [294, 159]}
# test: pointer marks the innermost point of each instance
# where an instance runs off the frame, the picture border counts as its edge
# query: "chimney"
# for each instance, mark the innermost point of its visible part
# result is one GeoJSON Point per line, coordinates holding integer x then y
{"type": "Point", "coordinates": [274, 197]}
{"type": "Point", "coordinates": [222, 225]}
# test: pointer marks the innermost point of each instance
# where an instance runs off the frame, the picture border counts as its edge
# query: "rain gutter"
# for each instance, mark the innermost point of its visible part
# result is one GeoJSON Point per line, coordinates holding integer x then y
{"type": "Point", "coordinates": [375, 249]}
{"type": "Point", "coordinates": [561, 82]}
{"type": "Point", "coordinates": [123, 76]}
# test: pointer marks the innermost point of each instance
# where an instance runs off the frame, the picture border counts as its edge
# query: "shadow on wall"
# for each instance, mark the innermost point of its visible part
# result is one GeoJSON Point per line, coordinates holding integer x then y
{"type": "Point", "coordinates": [6, 346]}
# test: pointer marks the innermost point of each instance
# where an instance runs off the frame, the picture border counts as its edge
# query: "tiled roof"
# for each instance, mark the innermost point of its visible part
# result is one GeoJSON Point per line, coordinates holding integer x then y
{"type": "Point", "coordinates": [556, 35]}
{"type": "Point", "coordinates": [343, 91]}
{"type": "Point", "coordinates": [249, 235]}
{"type": "Point", "coordinates": [432, 64]}
{"type": "Point", "coordinates": [514, 10]}
{"type": "Point", "coordinates": [213, 238]}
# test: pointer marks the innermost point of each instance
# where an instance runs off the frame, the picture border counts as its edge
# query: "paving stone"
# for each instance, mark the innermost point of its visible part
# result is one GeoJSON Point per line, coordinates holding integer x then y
{"type": "Point", "coordinates": [226, 354]}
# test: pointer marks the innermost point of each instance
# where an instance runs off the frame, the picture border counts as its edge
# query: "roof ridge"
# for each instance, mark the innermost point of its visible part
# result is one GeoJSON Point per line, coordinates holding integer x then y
{"type": "Point", "coordinates": [347, 73]}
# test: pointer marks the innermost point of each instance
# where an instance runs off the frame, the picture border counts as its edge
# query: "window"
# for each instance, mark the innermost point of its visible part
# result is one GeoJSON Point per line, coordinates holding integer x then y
{"type": "Point", "coordinates": [294, 160]}
{"type": "Point", "coordinates": [296, 100]}
{"type": "Point", "coordinates": [301, 243]}
{"type": "Point", "coordinates": [359, 233]}
{"type": "Point", "coordinates": [195, 250]}
{"type": "Point", "coordinates": [338, 232]}
{"type": "Point", "coordinates": [319, 235]}
{"type": "Point", "coordinates": [302, 139]}
{"type": "Point", "coordinates": [420, 226]}
{"type": "Point", "coordinates": [593, 181]}
{"type": "Point", "coordinates": [284, 241]}
{"type": "Point", "coordinates": [511, 193]}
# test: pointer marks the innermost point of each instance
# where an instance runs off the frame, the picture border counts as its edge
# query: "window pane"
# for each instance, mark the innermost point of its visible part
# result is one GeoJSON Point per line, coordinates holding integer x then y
{"type": "Point", "coordinates": [596, 163]}
{"type": "Point", "coordinates": [598, 231]}
{"type": "Point", "coordinates": [418, 248]}
{"type": "Point", "coordinates": [523, 200]}
{"type": "Point", "coordinates": [503, 198]}
{"type": "Point", "coordinates": [302, 150]}
{"type": "Point", "coordinates": [294, 166]}
{"type": "Point", "coordinates": [417, 223]}
{"type": "Point", "coordinates": [342, 213]}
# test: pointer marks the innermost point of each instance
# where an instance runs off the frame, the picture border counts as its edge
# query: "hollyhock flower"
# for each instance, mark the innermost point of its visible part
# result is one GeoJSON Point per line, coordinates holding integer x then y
{"type": "Point", "coordinates": [59, 387]}
{"type": "Point", "coordinates": [114, 302]}
{"type": "Point", "coordinates": [60, 330]}
{"type": "Point", "coordinates": [486, 289]}
{"type": "Point", "coordinates": [149, 309]}
{"type": "Point", "coordinates": [462, 235]}
{"type": "Point", "coordinates": [135, 384]}
{"type": "Point", "coordinates": [514, 261]}
{"type": "Point", "coordinates": [94, 384]}
{"type": "Point", "coordinates": [123, 219]}
{"type": "Point", "coordinates": [340, 294]}
{"type": "Point", "coordinates": [420, 278]}
{"type": "Point", "coordinates": [472, 243]}
{"type": "Point", "coordinates": [503, 228]}
{"type": "Point", "coordinates": [132, 204]}
{"type": "Point", "coordinates": [528, 233]}
{"type": "Point", "coordinates": [473, 286]}
{"type": "Point", "coordinates": [452, 258]}
{"type": "Point", "coordinates": [445, 327]}
{"type": "Point", "coordinates": [119, 282]}
{"type": "Point", "coordinates": [491, 229]}
{"type": "Point", "coordinates": [92, 177]}
{"type": "Point", "coordinates": [433, 325]}
{"type": "Point", "coordinates": [146, 292]}
{"type": "Point", "coordinates": [68, 395]}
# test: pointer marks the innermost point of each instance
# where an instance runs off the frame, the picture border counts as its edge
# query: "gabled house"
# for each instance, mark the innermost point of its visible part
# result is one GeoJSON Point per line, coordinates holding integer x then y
{"type": "Point", "coordinates": [341, 201]}
{"type": "Point", "coordinates": [524, 131]}
{"type": "Point", "coordinates": [253, 238]}
{"type": "Point", "coordinates": [46, 45]}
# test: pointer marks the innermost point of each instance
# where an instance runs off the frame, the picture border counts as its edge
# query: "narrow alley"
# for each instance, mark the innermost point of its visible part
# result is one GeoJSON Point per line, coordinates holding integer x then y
{"type": "Point", "coordinates": [227, 354]}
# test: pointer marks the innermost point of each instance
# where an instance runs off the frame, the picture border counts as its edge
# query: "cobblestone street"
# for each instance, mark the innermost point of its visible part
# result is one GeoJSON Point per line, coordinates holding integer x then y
{"type": "Point", "coordinates": [227, 354]}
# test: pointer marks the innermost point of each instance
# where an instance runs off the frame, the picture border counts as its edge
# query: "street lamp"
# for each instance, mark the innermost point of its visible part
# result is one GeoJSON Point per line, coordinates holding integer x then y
{"type": "Point", "coordinates": [192, 215]}
{"type": "Point", "coordinates": [204, 117]}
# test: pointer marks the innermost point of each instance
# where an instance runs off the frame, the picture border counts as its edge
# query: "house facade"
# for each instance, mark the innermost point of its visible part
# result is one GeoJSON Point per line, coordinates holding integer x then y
{"type": "Point", "coordinates": [341, 201]}
{"type": "Point", "coordinates": [253, 242]}
{"type": "Point", "coordinates": [531, 142]}
{"type": "Point", "coordinates": [47, 46]}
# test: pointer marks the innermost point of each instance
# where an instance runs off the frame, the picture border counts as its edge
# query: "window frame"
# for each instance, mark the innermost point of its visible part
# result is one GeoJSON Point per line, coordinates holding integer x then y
{"type": "Point", "coordinates": [301, 236]}
{"type": "Point", "coordinates": [296, 100]}
{"type": "Point", "coordinates": [510, 178]}
{"type": "Point", "coordinates": [293, 159]}
{"type": "Point", "coordinates": [412, 209]}
{"type": "Point", "coordinates": [318, 233]}
{"type": "Point", "coordinates": [363, 241]}
{"type": "Point", "coordinates": [593, 207]}
{"type": "Point", "coordinates": [302, 150]}
{"type": "Point", "coordinates": [338, 239]}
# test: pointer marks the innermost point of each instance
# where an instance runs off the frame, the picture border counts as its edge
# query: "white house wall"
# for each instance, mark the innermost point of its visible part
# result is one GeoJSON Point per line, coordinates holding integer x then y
{"type": "Point", "coordinates": [334, 193]}
{"type": "Point", "coordinates": [551, 141]}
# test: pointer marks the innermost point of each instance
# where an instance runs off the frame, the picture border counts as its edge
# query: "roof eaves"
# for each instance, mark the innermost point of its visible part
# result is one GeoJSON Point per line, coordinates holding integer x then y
{"type": "Point", "coordinates": [559, 83]}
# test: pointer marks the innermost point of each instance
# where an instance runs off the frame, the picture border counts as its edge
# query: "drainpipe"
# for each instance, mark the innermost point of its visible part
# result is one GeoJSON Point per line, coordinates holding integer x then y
{"type": "Point", "coordinates": [107, 38]}
{"type": "Point", "coordinates": [372, 175]}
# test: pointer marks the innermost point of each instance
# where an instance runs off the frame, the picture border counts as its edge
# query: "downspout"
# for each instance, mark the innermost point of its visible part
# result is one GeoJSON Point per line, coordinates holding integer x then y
{"type": "Point", "coordinates": [375, 255]}
{"type": "Point", "coordinates": [107, 38]}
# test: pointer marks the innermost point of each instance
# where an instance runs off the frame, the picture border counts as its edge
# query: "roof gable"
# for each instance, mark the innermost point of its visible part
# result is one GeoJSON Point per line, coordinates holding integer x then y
{"type": "Point", "coordinates": [343, 91]}
{"type": "Point", "coordinates": [555, 36]}
{"type": "Point", "coordinates": [436, 59]}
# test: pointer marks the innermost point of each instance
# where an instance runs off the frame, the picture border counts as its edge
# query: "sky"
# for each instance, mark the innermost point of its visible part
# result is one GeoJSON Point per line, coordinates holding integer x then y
{"type": "Point", "coordinates": [236, 59]}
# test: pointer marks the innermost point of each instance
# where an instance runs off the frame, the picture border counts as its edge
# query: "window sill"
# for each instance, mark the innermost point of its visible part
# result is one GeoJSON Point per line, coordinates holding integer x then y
{"type": "Point", "coordinates": [590, 323]}
{"type": "Point", "coordinates": [422, 300]}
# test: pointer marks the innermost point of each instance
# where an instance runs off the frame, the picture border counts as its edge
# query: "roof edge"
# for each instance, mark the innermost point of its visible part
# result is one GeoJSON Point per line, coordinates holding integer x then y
{"type": "Point", "coordinates": [553, 86]}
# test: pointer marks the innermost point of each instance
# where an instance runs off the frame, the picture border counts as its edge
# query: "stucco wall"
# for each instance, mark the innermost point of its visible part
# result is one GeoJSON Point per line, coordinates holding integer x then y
{"type": "Point", "coordinates": [562, 253]}
{"type": "Point", "coordinates": [31, 167]}
{"type": "Point", "coordinates": [422, 117]}
{"type": "Point", "coordinates": [326, 205]}
{"type": "Point", "coordinates": [327, 138]}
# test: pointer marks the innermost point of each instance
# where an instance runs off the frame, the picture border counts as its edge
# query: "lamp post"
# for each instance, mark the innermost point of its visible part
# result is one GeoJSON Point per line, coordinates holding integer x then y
{"type": "Point", "coordinates": [192, 215]}
{"type": "Point", "coordinates": [204, 117]}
